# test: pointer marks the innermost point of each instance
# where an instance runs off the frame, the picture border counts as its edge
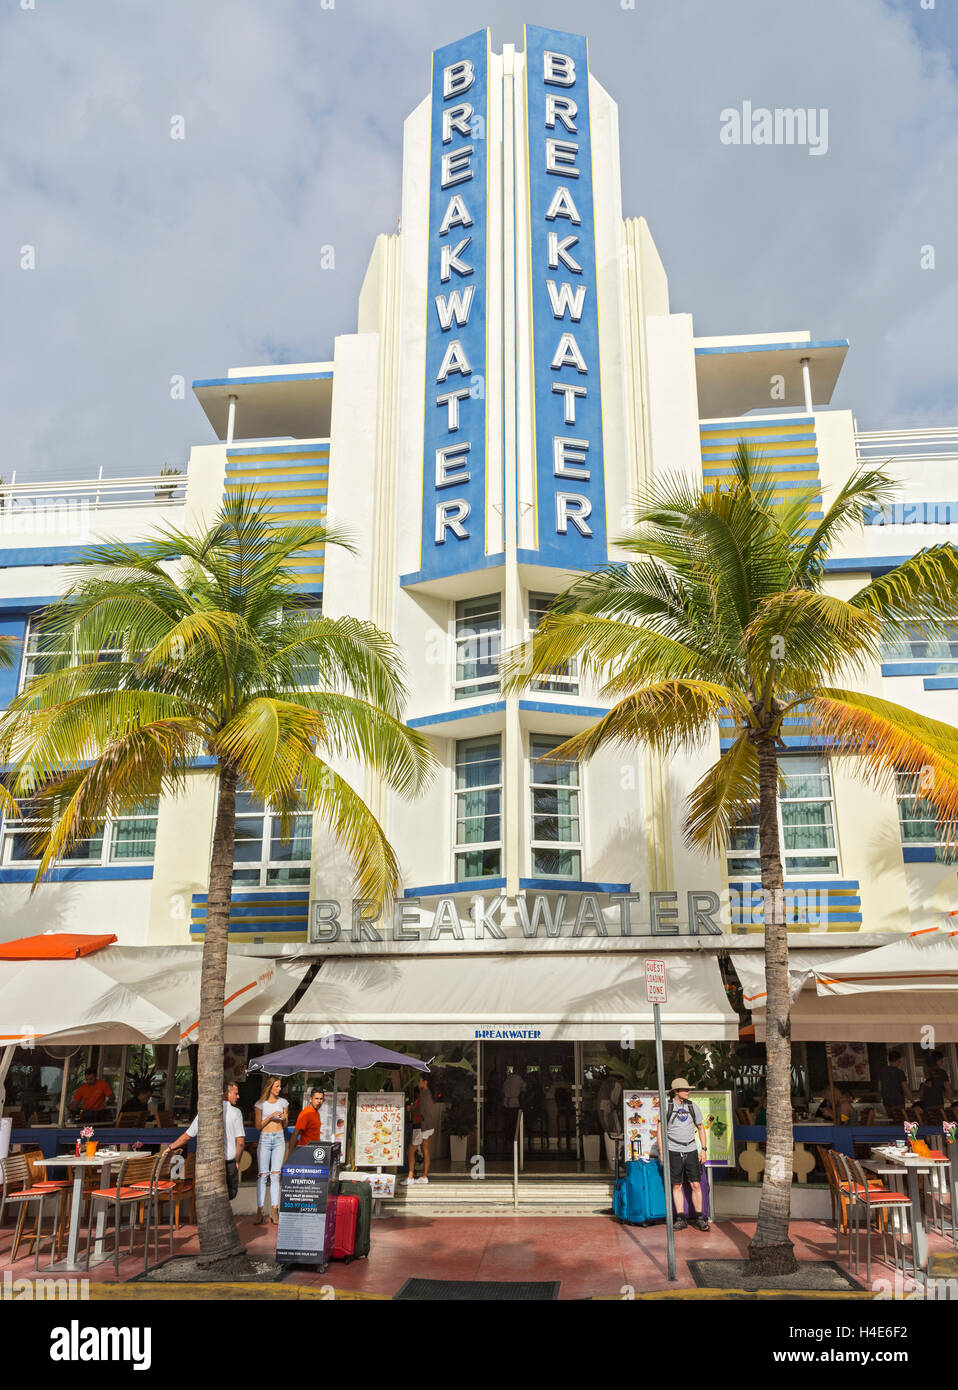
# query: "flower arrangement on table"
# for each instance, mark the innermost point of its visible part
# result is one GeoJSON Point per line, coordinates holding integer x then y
{"type": "Point", "coordinates": [911, 1132]}
{"type": "Point", "coordinates": [86, 1134]}
{"type": "Point", "coordinates": [950, 1129]}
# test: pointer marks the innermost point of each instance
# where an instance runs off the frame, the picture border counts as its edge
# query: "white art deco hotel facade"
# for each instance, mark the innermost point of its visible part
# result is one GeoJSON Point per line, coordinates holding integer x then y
{"type": "Point", "coordinates": [515, 378]}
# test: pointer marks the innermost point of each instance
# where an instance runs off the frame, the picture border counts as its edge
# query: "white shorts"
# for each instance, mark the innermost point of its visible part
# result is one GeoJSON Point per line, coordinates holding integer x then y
{"type": "Point", "coordinates": [418, 1135]}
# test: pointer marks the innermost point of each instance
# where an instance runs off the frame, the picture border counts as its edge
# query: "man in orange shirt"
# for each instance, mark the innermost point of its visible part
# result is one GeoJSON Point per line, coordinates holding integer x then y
{"type": "Point", "coordinates": [307, 1129]}
{"type": "Point", "coordinates": [93, 1098]}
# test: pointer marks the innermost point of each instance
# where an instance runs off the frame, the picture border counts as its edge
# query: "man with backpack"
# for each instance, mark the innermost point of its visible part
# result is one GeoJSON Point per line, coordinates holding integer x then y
{"type": "Point", "coordinates": [681, 1122]}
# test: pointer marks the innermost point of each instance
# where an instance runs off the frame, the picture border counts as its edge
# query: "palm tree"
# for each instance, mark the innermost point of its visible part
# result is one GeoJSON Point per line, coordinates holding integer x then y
{"type": "Point", "coordinates": [722, 616]}
{"type": "Point", "coordinates": [203, 647]}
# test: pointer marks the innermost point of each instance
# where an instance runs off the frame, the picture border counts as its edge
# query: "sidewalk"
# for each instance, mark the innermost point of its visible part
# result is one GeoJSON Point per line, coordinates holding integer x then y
{"type": "Point", "coordinates": [592, 1256]}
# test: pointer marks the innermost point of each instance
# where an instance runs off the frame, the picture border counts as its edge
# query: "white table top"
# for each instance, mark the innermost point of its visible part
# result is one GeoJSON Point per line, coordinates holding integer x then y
{"type": "Point", "coordinates": [97, 1161]}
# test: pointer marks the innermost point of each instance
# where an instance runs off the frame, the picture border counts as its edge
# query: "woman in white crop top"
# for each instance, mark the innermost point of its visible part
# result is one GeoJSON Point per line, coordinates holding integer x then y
{"type": "Point", "coordinates": [271, 1114]}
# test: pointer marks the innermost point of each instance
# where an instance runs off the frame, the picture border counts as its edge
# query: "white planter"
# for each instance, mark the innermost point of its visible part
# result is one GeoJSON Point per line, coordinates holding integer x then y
{"type": "Point", "coordinates": [610, 1148]}
{"type": "Point", "coordinates": [591, 1147]}
{"type": "Point", "coordinates": [458, 1148]}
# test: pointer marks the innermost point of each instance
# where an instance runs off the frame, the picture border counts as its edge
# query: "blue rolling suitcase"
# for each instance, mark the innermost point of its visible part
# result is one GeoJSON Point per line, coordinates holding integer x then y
{"type": "Point", "coordinates": [639, 1197]}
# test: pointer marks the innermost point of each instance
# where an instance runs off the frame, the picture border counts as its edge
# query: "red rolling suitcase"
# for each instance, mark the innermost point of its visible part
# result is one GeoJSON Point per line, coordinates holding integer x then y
{"type": "Point", "coordinates": [347, 1219]}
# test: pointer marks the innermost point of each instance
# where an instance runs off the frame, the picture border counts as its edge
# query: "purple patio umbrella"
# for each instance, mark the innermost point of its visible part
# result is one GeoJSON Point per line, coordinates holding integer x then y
{"type": "Point", "coordinates": [329, 1053]}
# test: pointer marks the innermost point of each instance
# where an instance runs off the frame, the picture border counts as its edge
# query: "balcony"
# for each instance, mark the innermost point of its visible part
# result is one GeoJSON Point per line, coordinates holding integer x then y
{"type": "Point", "coordinates": [82, 494]}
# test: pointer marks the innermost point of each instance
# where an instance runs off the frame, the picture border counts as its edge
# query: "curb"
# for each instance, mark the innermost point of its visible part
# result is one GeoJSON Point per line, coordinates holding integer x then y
{"type": "Point", "coordinates": [291, 1293]}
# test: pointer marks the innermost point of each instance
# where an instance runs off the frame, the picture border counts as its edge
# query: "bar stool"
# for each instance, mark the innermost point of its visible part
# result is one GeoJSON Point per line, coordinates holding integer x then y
{"type": "Point", "coordinates": [20, 1193]}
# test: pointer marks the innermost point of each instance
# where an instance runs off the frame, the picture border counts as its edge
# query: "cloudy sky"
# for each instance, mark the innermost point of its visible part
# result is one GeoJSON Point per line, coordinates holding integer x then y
{"type": "Point", "coordinates": [157, 258]}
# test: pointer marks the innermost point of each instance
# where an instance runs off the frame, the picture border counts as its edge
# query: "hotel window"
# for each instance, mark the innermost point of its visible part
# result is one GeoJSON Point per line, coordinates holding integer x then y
{"type": "Point", "coordinates": [478, 636]}
{"type": "Point", "coordinates": [127, 839]}
{"type": "Point", "coordinates": [262, 856]}
{"type": "Point", "coordinates": [478, 851]}
{"type": "Point", "coordinates": [916, 645]}
{"type": "Point", "coordinates": [556, 813]}
{"type": "Point", "coordinates": [918, 818]}
{"type": "Point", "coordinates": [46, 652]}
{"type": "Point", "coordinates": [564, 679]}
{"type": "Point", "coordinates": [806, 823]}
{"type": "Point", "coordinates": [306, 674]}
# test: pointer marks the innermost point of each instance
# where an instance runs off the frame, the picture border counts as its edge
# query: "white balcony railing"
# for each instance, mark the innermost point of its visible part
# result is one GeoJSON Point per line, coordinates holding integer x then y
{"type": "Point", "coordinates": [154, 490]}
{"type": "Point", "coordinates": [908, 447]}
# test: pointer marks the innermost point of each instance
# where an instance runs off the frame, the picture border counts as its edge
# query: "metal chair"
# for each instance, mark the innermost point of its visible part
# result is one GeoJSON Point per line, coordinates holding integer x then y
{"type": "Point", "coordinates": [124, 1197]}
{"type": "Point", "coordinates": [19, 1192]}
{"type": "Point", "coordinates": [864, 1201]}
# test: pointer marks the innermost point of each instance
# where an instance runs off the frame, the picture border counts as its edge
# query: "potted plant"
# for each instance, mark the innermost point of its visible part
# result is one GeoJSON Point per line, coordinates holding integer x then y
{"type": "Point", "coordinates": [458, 1121]}
{"type": "Point", "coordinates": [164, 493]}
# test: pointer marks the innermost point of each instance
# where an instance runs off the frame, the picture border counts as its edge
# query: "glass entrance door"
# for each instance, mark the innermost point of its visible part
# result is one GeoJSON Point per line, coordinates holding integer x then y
{"type": "Point", "coordinates": [539, 1079]}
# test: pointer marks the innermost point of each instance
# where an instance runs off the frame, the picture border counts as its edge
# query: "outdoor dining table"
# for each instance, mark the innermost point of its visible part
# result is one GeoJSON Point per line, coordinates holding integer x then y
{"type": "Point", "coordinates": [105, 1160]}
{"type": "Point", "coordinates": [887, 1163]}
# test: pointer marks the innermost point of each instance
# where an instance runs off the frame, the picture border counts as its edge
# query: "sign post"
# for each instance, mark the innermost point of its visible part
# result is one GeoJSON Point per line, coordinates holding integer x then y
{"type": "Point", "coordinates": [656, 992]}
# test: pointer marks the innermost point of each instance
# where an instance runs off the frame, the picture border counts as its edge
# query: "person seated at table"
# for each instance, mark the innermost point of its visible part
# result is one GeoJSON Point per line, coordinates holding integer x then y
{"type": "Point", "coordinates": [92, 1100]}
{"type": "Point", "coordinates": [140, 1109]}
{"type": "Point", "coordinates": [825, 1112]}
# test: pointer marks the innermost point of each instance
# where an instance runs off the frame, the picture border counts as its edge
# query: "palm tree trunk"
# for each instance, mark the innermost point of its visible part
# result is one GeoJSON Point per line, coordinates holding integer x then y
{"type": "Point", "coordinates": [219, 1238]}
{"type": "Point", "coordinates": [770, 1251]}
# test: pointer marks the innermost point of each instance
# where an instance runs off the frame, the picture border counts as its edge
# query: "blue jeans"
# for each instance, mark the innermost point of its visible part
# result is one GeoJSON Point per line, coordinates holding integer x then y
{"type": "Point", "coordinates": [269, 1157]}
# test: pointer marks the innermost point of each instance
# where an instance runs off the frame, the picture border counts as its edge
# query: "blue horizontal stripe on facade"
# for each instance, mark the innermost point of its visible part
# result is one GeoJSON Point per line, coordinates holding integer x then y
{"type": "Point", "coordinates": [449, 890]}
{"type": "Point", "coordinates": [287, 895]}
{"type": "Point", "coordinates": [422, 576]}
{"type": "Point", "coordinates": [545, 707]}
{"type": "Point", "coordinates": [261, 929]}
{"type": "Point", "coordinates": [259, 911]}
{"type": "Point", "coordinates": [772, 471]}
{"type": "Point", "coordinates": [785, 484]}
{"type": "Point", "coordinates": [773, 347]}
{"type": "Point", "coordinates": [237, 480]}
{"type": "Point", "coordinates": [238, 451]}
{"type": "Point", "coordinates": [876, 564]}
{"type": "Point", "coordinates": [787, 453]}
{"type": "Point", "coordinates": [10, 603]}
{"type": "Point", "coordinates": [940, 683]}
{"type": "Point", "coordinates": [930, 667]}
{"type": "Point", "coordinates": [24, 555]}
{"type": "Point", "coordinates": [447, 716]}
{"type": "Point", "coordinates": [81, 873]}
{"type": "Point", "coordinates": [919, 854]}
{"type": "Point", "coordinates": [565, 885]}
{"type": "Point", "coordinates": [261, 380]}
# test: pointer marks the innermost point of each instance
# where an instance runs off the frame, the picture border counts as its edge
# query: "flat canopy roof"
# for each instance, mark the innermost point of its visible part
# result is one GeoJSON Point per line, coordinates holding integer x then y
{"type": "Point", "coordinates": [734, 374]}
{"type": "Point", "coordinates": [282, 402]}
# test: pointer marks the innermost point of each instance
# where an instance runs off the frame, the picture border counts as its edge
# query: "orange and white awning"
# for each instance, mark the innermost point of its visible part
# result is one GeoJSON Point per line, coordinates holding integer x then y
{"type": "Point", "coordinates": [123, 994]}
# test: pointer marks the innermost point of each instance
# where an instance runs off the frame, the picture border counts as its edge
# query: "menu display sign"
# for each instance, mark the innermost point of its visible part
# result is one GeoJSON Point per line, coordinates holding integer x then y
{"type": "Point", "coordinates": [325, 1115]}
{"type": "Point", "coordinates": [640, 1114]}
{"type": "Point", "coordinates": [381, 1184]}
{"type": "Point", "coordinates": [380, 1119]}
{"type": "Point", "coordinates": [306, 1226]}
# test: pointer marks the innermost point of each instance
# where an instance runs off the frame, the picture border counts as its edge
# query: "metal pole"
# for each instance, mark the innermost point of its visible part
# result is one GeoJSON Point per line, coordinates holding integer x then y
{"type": "Point", "coordinates": [664, 1142]}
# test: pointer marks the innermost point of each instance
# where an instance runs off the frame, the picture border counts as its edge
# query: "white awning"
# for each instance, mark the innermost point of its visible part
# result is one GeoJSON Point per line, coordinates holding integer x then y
{"type": "Point", "coordinates": [887, 994]}
{"type": "Point", "coordinates": [547, 996]}
{"type": "Point", "coordinates": [124, 994]}
{"type": "Point", "coordinates": [750, 968]}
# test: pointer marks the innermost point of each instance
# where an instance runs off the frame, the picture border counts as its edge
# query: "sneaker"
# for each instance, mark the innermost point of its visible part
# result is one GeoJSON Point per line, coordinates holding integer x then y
{"type": "Point", "coordinates": [701, 1224]}
{"type": "Point", "coordinates": [679, 1224]}
{"type": "Point", "coordinates": [420, 1180]}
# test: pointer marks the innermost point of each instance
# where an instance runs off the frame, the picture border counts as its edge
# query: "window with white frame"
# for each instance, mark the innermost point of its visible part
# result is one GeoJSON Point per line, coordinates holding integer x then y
{"type": "Point", "coordinates": [565, 678]}
{"type": "Point", "coordinates": [478, 639]}
{"type": "Point", "coordinates": [263, 856]}
{"type": "Point", "coordinates": [556, 812]}
{"type": "Point", "coordinates": [918, 817]}
{"type": "Point", "coordinates": [806, 823]}
{"type": "Point", "coordinates": [307, 611]}
{"type": "Point", "coordinates": [45, 652]}
{"type": "Point", "coordinates": [127, 839]}
{"type": "Point", "coordinates": [478, 852]}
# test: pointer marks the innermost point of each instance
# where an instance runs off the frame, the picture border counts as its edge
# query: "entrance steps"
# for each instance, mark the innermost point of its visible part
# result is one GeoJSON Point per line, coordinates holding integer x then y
{"type": "Point", "coordinates": [447, 1194]}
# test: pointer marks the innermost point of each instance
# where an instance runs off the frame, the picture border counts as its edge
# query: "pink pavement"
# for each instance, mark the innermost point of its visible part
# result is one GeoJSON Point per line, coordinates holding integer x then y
{"type": "Point", "coordinates": [592, 1256]}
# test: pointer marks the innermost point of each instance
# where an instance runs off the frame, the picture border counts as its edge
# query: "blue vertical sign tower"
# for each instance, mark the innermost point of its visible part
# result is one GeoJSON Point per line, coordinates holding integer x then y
{"type": "Point", "coordinates": [570, 484]}
{"type": "Point", "coordinates": [454, 460]}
